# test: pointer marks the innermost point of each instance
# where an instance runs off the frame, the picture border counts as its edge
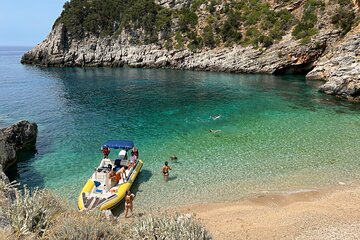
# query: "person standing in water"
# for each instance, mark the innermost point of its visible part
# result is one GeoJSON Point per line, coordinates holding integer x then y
{"type": "Point", "coordinates": [165, 171]}
{"type": "Point", "coordinates": [129, 198]}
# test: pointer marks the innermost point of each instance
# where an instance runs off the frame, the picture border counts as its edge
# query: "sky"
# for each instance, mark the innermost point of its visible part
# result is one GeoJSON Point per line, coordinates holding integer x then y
{"type": "Point", "coordinates": [27, 23]}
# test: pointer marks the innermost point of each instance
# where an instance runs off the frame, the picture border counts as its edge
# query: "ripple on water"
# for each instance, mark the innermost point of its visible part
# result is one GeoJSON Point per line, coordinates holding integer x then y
{"type": "Point", "coordinates": [277, 132]}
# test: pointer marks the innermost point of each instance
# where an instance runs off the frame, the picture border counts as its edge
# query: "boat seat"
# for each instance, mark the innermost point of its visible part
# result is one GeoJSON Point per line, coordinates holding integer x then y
{"type": "Point", "coordinates": [124, 162]}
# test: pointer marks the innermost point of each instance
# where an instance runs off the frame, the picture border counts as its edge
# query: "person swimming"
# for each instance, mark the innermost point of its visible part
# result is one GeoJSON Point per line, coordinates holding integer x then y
{"type": "Point", "coordinates": [215, 117]}
{"type": "Point", "coordinates": [214, 131]}
{"type": "Point", "coordinates": [173, 157]}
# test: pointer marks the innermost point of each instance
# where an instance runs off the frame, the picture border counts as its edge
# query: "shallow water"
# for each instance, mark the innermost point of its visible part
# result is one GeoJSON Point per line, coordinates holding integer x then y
{"type": "Point", "coordinates": [277, 132]}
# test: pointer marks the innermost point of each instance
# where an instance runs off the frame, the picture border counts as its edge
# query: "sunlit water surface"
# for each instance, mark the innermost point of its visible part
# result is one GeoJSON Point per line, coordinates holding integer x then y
{"type": "Point", "coordinates": [277, 132]}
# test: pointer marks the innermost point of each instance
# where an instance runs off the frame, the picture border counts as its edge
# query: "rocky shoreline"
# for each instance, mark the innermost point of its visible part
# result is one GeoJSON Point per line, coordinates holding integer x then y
{"type": "Point", "coordinates": [21, 135]}
{"type": "Point", "coordinates": [328, 56]}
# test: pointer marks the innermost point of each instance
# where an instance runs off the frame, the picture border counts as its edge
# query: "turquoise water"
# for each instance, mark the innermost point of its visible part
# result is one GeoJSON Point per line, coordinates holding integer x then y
{"type": "Point", "coordinates": [277, 132]}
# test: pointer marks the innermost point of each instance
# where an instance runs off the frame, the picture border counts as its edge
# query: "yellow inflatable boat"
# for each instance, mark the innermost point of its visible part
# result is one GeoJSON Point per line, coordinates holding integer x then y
{"type": "Point", "coordinates": [100, 192]}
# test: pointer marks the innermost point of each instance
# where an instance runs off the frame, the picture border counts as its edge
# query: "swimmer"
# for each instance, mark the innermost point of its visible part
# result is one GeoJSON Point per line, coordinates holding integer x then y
{"type": "Point", "coordinates": [173, 157]}
{"type": "Point", "coordinates": [215, 117]}
{"type": "Point", "coordinates": [214, 131]}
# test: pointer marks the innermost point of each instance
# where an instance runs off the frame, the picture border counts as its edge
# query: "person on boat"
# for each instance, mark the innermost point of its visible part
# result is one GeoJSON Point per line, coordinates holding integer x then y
{"type": "Point", "coordinates": [133, 159]}
{"type": "Point", "coordinates": [121, 174]}
{"type": "Point", "coordinates": [136, 152]}
{"type": "Point", "coordinates": [113, 178]}
{"type": "Point", "coordinates": [165, 171]}
{"type": "Point", "coordinates": [129, 197]}
{"type": "Point", "coordinates": [105, 151]}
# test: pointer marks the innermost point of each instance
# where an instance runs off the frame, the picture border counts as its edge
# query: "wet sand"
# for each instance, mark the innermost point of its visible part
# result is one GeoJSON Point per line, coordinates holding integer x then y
{"type": "Point", "coordinates": [310, 214]}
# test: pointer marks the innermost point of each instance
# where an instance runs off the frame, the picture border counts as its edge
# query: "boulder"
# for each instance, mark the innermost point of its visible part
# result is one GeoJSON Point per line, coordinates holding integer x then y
{"type": "Point", "coordinates": [14, 138]}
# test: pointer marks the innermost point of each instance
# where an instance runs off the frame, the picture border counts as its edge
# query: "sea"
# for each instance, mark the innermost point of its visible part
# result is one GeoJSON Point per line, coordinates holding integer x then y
{"type": "Point", "coordinates": [235, 135]}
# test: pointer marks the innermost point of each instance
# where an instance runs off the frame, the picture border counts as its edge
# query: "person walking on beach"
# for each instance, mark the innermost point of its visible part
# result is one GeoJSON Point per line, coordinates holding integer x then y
{"type": "Point", "coordinates": [165, 171]}
{"type": "Point", "coordinates": [129, 198]}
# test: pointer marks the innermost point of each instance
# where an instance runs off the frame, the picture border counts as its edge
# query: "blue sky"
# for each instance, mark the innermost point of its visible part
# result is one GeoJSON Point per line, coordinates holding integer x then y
{"type": "Point", "coordinates": [27, 23]}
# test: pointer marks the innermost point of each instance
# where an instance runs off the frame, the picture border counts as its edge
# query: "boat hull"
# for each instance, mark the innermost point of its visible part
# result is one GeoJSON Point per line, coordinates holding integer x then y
{"type": "Point", "coordinates": [119, 194]}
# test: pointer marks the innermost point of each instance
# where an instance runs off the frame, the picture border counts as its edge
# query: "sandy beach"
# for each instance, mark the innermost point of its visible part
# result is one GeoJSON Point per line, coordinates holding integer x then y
{"type": "Point", "coordinates": [309, 214]}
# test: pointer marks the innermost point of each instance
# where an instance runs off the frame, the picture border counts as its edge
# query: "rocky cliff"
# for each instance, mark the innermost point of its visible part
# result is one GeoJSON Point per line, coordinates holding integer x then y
{"type": "Point", "coordinates": [14, 138]}
{"type": "Point", "coordinates": [19, 136]}
{"type": "Point", "coordinates": [340, 67]}
{"type": "Point", "coordinates": [330, 44]}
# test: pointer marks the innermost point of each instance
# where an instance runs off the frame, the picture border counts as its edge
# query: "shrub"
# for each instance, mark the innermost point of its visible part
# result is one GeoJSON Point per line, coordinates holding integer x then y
{"type": "Point", "coordinates": [90, 226]}
{"type": "Point", "coordinates": [305, 28]}
{"type": "Point", "coordinates": [31, 211]}
{"type": "Point", "coordinates": [187, 19]}
{"type": "Point", "coordinates": [165, 227]}
{"type": "Point", "coordinates": [179, 41]}
{"type": "Point", "coordinates": [208, 37]}
{"type": "Point", "coordinates": [196, 42]}
{"type": "Point", "coordinates": [163, 22]}
{"type": "Point", "coordinates": [344, 19]}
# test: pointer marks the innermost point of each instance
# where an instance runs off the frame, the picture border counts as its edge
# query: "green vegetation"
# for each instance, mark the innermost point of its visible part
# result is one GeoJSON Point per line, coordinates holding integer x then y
{"type": "Point", "coordinates": [38, 214]}
{"type": "Point", "coordinates": [107, 17]}
{"type": "Point", "coordinates": [306, 27]}
{"type": "Point", "coordinates": [344, 16]}
{"type": "Point", "coordinates": [206, 23]}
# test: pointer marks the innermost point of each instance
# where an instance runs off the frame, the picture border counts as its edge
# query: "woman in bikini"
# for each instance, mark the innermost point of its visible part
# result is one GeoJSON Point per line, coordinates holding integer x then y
{"type": "Point", "coordinates": [129, 197]}
{"type": "Point", "coordinates": [165, 171]}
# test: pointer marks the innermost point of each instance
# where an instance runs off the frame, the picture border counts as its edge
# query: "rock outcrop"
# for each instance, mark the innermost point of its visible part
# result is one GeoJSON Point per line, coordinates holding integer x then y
{"type": "Point", "coordinates": [176, 4]}
{"type": "Point", "coordinates": [340, 68]}
{"type": "Point", "coordinates": [335, 58]}
{"type": "Point", "coordinates": [12, 139]}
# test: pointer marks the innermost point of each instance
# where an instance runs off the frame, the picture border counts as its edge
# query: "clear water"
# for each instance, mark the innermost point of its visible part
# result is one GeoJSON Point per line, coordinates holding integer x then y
{"type": "Point", "coordinates": [277, 132]}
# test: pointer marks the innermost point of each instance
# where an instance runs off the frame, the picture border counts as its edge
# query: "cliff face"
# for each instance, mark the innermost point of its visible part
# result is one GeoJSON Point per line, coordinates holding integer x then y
{"type": "Point", "coordinates": [340, 67]}
{"type": "Point", "coordinates": [332, 51]}
{"type": "Point", "coordinates": [12, 139]}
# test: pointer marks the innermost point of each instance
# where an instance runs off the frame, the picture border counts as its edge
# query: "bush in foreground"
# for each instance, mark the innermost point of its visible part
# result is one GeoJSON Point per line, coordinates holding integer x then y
{"type": "Point", "coordinates": [38, 214]}
{"type": "Point", "coordinates": [31, 211]}
{"type": "Point", "coordinates": [165, 227]}
{"type": "Point", "coordinates": [90, 226]}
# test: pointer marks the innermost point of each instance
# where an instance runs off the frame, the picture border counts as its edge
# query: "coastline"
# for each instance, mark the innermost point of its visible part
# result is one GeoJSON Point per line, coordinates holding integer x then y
{"type": "Point", "coordinates": [315, 214]}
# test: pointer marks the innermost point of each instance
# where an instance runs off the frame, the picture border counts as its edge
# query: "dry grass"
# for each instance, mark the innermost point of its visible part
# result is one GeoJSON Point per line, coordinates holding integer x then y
{"type": "Point", "coordinates": [90, 226]}
{"type": "Point", "coordinates": [31, 212]}
{"type": "Point", "coordinates": [6, 234]}
{"type": "Point", "coordinates": [38, 214]}
{"type": "Point", "coordinates": [169, 227]}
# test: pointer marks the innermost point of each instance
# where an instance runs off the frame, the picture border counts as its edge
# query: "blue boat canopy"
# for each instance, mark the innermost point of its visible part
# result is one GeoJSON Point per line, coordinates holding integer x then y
{"type": "Point", "coordinates": [122, 144]}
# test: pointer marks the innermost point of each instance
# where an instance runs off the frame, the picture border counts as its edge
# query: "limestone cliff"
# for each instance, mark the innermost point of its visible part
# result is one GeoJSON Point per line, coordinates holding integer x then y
{"type": "Point", "coordinates": [223, 36]}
